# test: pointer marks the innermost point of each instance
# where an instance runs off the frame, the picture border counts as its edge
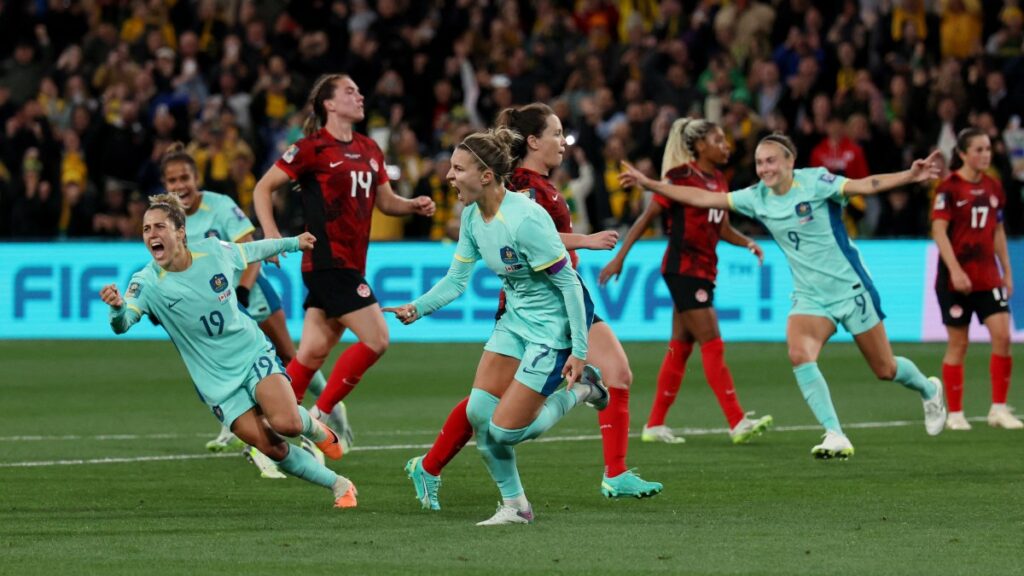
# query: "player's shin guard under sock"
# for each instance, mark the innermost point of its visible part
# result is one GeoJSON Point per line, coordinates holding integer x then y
{"type": "Point", "coordinates": [555, 407]}
{"type": "Point", "coordinates": [348, 370]}
{"type": "Point", "coordinates": [614, 421]}
{"type": "Point", "coordinates": [317, 384]}
{"type": "Point", "coordinates": [455, 433]}
{"type": "Point", "coordinates": [300, 376]}
{"type": "Point", "coordinates": [953, 382]}
{"type": "Point", "coordinates": [311, 429]}
{"type": "Point", "coordinates": [720, 379]}
{"type": "Point", "coordinates": [499, 459]}
{"type": "Point", "coordinates": [670, 378]}
{"type": "Point", "coordinates": [909, 376]}
{"type": "Point", "coordinates": [1000, 368]}
{"type": "Point", "coordinates": [302, 464]}
{"type": "Point", "coordinates": [815, 390]}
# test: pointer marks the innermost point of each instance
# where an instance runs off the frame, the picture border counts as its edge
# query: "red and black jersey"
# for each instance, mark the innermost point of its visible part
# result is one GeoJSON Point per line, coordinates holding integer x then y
{"type": "Point", "coordinates": [692, 232]}
{"type": "Point", "coordinates": [544, 193]}
{"type": "Point", "coordinates": [338, 182]}
{"type": "Point", "coordinates": [974, 210]}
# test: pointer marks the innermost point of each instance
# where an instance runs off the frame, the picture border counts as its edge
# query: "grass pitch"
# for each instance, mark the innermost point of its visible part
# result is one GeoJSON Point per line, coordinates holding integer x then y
{"type": "Point", "coordinates": [102, 471]}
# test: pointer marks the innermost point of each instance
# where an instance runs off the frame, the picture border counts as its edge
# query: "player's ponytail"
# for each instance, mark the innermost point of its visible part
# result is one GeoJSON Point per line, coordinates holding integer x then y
{"type": "Point", "coordinates": [171, 206]}
{"type": "Point", "coordinates": [529, 120]}
{"type": "Point", "coordinates": [174, 154]}
{"type": "Point", "coordinates": [492, 150]}
{"type": "Point", "coordinates": [323, 90]}
{"type": "Point", "coordinates": [681, 147]}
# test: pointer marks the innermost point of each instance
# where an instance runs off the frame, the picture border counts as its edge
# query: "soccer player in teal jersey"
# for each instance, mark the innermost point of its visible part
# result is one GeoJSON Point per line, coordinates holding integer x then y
{"type": "Point", "coordinates": [802, 209]}
{"type": "Point", "coordinates": [209, 214]}
{"type": "Point", "coordinates": [542, 336]}
{"type": "Point", "coordinates": [233, 366]}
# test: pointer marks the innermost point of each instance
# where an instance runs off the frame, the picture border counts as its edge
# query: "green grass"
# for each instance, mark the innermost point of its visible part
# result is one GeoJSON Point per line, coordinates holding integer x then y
{"type": "Point", "coordinates": [905, 504]}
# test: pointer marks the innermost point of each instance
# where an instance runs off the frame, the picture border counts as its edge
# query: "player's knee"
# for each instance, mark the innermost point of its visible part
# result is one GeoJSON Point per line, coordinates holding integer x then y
{"type": "Point", "coordinates": [286, 424]}
{"type": "Point", "coordinates": [798, 356]}
{"type": "Point", "coordinates": [276, 451]}
{"type": "Point", "coordinates": [885, 370]}
{"type": "Point", "coordinates": [505, 436]}
{"type": "Point", "coordinates": [619, 377]}
{"type": "Point", "coordinates": [378, 343]}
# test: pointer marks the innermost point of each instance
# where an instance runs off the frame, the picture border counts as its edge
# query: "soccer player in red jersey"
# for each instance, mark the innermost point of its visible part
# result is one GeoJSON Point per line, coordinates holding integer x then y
{"type": "Point", "coordinates": [342, 176]}
{"type": "Point", "coordinates": [538, 154]}
{"type": "Point", "coordinates": [694, 152]}
{"type": "Point", "coordinates": [967, 224]}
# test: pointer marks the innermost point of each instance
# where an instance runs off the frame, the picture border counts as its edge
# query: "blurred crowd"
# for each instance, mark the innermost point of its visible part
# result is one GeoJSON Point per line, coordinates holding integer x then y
{"type": "Point", "coordinates": [92, 92]}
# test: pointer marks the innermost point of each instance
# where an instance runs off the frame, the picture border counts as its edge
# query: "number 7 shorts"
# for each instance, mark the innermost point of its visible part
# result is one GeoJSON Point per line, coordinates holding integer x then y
{"type": "Point", "coordinates": [857, 314]}
{"type": "Point", "coordinates": [540, 366]}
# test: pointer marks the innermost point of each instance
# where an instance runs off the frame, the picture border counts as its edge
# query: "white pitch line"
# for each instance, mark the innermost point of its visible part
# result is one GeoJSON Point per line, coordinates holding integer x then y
{"type": "Point", "coordinates": [383, 447]}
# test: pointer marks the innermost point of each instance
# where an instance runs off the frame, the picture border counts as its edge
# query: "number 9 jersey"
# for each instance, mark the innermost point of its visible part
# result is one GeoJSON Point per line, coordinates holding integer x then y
{"type": "Point", "coordinates": [974, 211]}
{"type": "Point", "coordinates": [338, 182]}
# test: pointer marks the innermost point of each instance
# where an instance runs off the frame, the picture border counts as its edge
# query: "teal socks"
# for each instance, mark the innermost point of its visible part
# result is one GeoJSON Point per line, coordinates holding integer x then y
{"type": "Point", "coordinates": [317, 384]}
{"type": "Point", "coordinates": [499, 459]}
{"type": "Point", "coordinates": [301, 464]}
{"type": "Point", "coordinates": [556, 406]}
{"type": "Point", "coordinates": [311, 429]}
{"type": "Point", "coordinates": [815, 390]}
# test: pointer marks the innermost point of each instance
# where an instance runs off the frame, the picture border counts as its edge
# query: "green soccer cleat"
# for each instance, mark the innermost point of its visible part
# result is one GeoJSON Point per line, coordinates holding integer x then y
{"type": "Point", "coordinates": [267, 467]}
{"type": "Point", "coordinates": [226, 441]}
{"type": "Point", "coordinates": [629, 485]}
{"type": "Point", "coordinates": [426, 484]}
{"type": "Point", "coordinates": [745, 430]}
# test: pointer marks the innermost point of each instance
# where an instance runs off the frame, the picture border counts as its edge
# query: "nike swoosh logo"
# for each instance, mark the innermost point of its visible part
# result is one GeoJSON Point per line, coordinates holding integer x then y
{"type": "Point", "coordinates": [555, 197]}
{"type": "Point", "coordinates": [171, 305]}
{"type": "Point", "coordinates": [336, 164]}
{"type": "Point", "coordinates": [960, 203]}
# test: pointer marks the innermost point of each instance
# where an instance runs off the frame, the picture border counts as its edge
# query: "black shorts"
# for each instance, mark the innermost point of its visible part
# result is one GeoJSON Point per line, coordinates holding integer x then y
{"type": "Point", "coordinates": [690, 292]}
{"type": "Point", "coordinates": [337, 291]}
{"type": "Point", "coordinates": [957, 307]}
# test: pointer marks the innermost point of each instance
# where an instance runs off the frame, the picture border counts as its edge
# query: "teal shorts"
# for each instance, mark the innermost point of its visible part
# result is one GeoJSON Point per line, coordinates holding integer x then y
{"type": "Point", "coordinates": [263, 299]}
{"type": "Point", "coordinates": [857, 314]}
{"type": "Point", "coordinates": [243, 398]}
{"type": "Point", "coordinates": [540, 366]}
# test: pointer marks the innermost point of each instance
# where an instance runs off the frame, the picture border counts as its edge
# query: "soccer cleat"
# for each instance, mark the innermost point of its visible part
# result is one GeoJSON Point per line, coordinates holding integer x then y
{"type": "Point", "coordinates": [267, 467]}
{"type": "Point", "coordinates": [1002, 417]}
{"type": "Point", "coordinates": [426, 484]}
{"type": "Point", "coordinates": [344, 493]}
{"type": "Point", "coordinates": [746, 429]}
{"type": "Point", "coordinates": [338, 420]}
{"type": "Point", "coordinates": [834, 445]}
{"type": "Point", "coordinates": [956, 421]}
{"type": "Point", "coordinates": [660, 434]}
{"type": "Point", "coordinates": [597, 397]}
{"type": "Point", "coordinates": [225, 442]}
{"type": "Point", "coordinates": [629, 485]}
{"type": "Point", "coordinates": [309, 446]}
{"type": "Point", "coordinates": [935, 410]}
{"type": "Point", "coordinates": [508, 515]}
{"type": "Point", "coordinates": [331, 446]}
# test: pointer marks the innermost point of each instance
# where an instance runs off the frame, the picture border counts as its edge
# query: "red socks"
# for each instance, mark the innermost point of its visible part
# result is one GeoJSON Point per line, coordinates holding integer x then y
{"type": "Point", "coordinates": [454, 434]}
{"type": "Point", "coordinates": [300, 376]}
{"type": "Point", "coordinates": [720, 379]}
{"type": "Point", "coordinates": [347, 372]}
{"type": "Point", "coordinates": [614, 422]}
{"type": "Point", "coordinates": [953, 382]}
{"type": "Point", "coordinates": [999, 368]}
{"type": "Point", "coordinates": [670, 377]}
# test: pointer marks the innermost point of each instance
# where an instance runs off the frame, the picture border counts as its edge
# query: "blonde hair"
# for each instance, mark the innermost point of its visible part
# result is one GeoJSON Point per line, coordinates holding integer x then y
{"type": "Point", "coordinates": [171, 206]}
{"type": "Point", "coordinates": [681, 147]}
{"type": "Point", "coordinates": [493, 150]}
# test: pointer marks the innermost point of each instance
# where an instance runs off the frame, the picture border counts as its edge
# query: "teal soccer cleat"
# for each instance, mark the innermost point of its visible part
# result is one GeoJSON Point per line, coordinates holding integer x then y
{"type": "Point", "coordinates": [426, 484]}
{"type": "Point", "coordinates": [629, 485]}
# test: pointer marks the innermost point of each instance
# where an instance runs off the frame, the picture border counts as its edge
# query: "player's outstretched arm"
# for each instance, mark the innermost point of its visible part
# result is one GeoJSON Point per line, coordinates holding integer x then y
{"type": "Point", "coordinates": [921, 170]}
{"type": "Point", "coordinates": [604, 240]}
{"type": "Point", "coordinates": [444, 292]}
{"type": "Point", "coordinates": [614, 267]}
{"type": "Point", "coordinates": [264, 249]}
{"type": "Point", "coordinates": [737, 238]}
{"type": "Point", "coordinates": [688, 195]}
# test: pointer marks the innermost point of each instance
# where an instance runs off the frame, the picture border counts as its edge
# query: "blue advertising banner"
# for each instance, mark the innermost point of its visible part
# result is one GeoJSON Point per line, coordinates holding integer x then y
{"type": "Point", "coordinates": [51, 290]}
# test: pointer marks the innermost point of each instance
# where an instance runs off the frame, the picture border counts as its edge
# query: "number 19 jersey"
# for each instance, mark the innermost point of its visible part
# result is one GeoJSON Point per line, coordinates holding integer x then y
{"type": "Point", "coordinates": [807, 223]}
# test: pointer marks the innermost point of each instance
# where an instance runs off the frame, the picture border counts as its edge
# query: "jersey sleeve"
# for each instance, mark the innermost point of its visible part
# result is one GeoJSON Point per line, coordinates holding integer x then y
{"type": "Point", "coordinates": [743, 201]}
{"type": "Point", "coordinates": [943, 201]}
{"type": "Point", "coordinates": [382, 170]}
{"type": "Point", "coordinates": [826, 185]}
{"type": "Point", "coordinates": [467, 250]}
{"type": "Point", "coordinates": [233, 220]}
{"type": "Point", "coordinates": [539, 241]}
{"type": "Point", "coordinates": [296, 159]}
{"type": "Point", "coordinates": [1001, 195]}
{"type": "Point", "coordinates": [121, 319]}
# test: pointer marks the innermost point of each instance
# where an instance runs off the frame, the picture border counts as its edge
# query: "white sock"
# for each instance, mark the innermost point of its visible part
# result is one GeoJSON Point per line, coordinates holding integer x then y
{"type": "Point", "coordinates": [520, 503]}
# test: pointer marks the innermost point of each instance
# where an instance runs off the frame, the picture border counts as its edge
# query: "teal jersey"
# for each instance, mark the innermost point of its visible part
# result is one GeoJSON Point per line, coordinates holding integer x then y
{"type": "Point", "coordinates": [807, 223]}
{"type": "Point", "coordinates": [519, 244]}
{"type": "Point", "coordinates": [218, 217]}
{"type": "Point", "coordinates": [216, 338]}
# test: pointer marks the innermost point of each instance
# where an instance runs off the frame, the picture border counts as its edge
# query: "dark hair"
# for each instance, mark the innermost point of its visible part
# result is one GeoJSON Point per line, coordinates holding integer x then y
{"type": "Point", "coordinates": [493, 150]}
{"type": "Point", "coordinates": [171, 206]}
{"type": "Point", "coordinates": [323, 90]}
{"type": "Point", "coordinates": [176, 153]}
{"type": "Point", "coordinates": [782, 140]}
{"type": "Point", "coordinates": [963, 142]}
{"type": "Point", "coordinates": [529, 120]}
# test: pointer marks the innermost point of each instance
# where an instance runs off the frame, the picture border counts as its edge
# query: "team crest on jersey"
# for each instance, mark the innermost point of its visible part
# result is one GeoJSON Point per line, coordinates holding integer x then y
{"type": "Point", "coordinates": [290, 153]}
{"type": "Point", "coordinates": [363, 290]}
{"type": "Point", "coordinates": [212, 234]}
{"type": "Point", "coordinates": [133, 290]}
{"type": "Point", "coordinates": [238, 212]}
{"type": "Point", "coordinates": [827, 177]}
{"type": "Point", "coordinates": [373, 164]}
{"type": "Point", "coordinates": [804, 212]}
{"type": "Point", "coordinates": [219, 283]}
{"type": "Point", "coordinates": [510, 259]}
{"type": "Point", "coordinates": [940, 201]}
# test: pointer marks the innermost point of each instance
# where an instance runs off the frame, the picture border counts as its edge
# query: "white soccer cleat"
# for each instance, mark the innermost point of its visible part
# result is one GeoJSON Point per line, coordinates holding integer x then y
{"type": "Point", "coordinates": [935, 410]}
{"type": "Point", "coordinates": [834, 445]}
{"type": "Point", "coordinates": [597, 396]}
{"type": "Point", "coordinates": [225, 441]}
{"type": "Point", "coordinates": [339, 422]}
{"type": "Point", "coordinates": [311, 447]}
{"type": "Point", "coordinates": [508, 515]}
{"type": "Point", "coordinates": [956, 421]}
{"type": "Point", "coordinates": [1001, 416]}
{"type": "Point", "coordinates": [660, 434]}
{"type": "Point", "coordinates": [267, 467]}
{"type": "Point", "coordinates": [745, 430]}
